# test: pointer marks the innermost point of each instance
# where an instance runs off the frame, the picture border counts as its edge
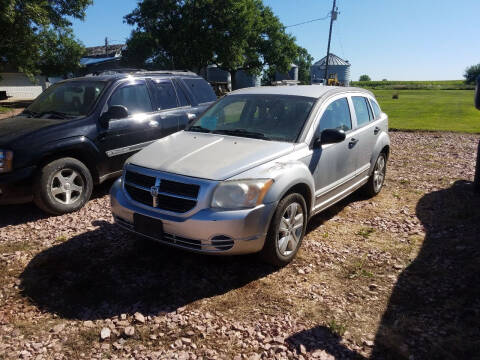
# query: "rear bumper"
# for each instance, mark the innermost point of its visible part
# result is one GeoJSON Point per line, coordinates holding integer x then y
{"type": "Point", "coordinates": [207, 231]}
{"type": "Point", "coordinates": [16, 187]}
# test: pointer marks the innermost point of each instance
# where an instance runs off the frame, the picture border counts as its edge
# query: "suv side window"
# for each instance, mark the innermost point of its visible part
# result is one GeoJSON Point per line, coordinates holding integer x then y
{"type": "Point", "coordinates": [336, 116]}
{"type": "Point", "coordinates": [182, 97]}
{"type": "Point", "coordinates": [362, 110]}
{"type": "Point", "coordinates": [165, 95]}
{"type": "Point", "coordinates": [134, 97]}
{"type": "Point", "coordinates": [201, 89]}
{"type": "Point", "coordinates": [376, 109]}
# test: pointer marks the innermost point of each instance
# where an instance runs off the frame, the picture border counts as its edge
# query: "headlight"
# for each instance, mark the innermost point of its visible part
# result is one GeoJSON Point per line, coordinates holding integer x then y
{"type": "Point", "coordinates": [6, 161]}
{"type": "Point", "coordinates": [240, 194]}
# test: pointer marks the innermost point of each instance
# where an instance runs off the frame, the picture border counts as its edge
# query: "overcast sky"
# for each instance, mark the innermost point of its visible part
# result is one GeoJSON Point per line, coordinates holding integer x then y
{"type": "Point", "coordinates": [397, 40]}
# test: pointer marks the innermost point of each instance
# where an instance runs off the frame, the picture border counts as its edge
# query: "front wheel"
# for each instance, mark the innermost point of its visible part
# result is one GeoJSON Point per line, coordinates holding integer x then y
{"type": "Point", "coordinates": [376, 180]}
{"type": "Point", "coordinates": [286, 230]}
{"type": "Point", "coordinates": [63, 186]}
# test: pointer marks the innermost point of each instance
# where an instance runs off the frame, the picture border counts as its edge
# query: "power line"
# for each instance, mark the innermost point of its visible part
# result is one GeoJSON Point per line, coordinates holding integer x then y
{"type": "Point", "coordinates": [309, 21]}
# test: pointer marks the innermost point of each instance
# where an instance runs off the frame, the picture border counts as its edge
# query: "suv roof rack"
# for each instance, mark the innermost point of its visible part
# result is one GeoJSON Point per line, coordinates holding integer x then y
{"type": "Point", "coordinates": [167, 72]}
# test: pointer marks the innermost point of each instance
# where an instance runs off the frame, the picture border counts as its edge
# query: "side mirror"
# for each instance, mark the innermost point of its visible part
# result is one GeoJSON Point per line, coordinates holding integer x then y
{"type": "Point", "coordinates": [329, 136]}
{"type": "Point", "coordinates": [114, 112]}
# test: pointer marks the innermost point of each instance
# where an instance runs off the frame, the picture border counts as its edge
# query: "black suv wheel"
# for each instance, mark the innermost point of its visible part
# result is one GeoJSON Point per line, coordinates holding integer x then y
{"type": "Point", "coordinates": [63, 186]}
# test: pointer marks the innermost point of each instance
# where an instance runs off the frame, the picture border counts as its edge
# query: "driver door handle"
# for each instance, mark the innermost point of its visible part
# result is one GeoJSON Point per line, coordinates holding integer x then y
{"type": "Point", "coordinates": [353, 142]}
{"type": "Point", "coordinates": [376, 130]}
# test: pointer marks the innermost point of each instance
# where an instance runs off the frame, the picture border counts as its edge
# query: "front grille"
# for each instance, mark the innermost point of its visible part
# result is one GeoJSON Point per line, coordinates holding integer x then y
{"type": "Point", "coordinates": [172, 196]}
{"type": "Point", "coordinates": [139, 179]}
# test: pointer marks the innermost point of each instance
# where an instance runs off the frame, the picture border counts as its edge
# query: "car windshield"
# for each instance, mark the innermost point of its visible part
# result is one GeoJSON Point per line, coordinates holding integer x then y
{"type": "Point", "coordinates": [261, 116]}
{"type": "Point", "coordinates": [66, 100]}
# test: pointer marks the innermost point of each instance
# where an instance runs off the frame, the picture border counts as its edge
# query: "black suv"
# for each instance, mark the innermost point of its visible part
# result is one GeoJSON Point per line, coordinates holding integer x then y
{"type": "Point", "coordinates": [79, 132]}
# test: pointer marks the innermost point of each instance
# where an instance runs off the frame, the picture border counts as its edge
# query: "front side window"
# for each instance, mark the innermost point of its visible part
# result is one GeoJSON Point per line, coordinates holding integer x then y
{"type": "Point", "coordinates": [336, 116]}
{"type": "Point", "coordinates": [71, 98]}
{"type": "Point", "coordinates": [262, 116]}
{"type": "Point", "coordinates": [134, 97]}
{"type": "Point", "coordinates": [165, 95]}
{"type": "Point", "coordinates": [361, 110]}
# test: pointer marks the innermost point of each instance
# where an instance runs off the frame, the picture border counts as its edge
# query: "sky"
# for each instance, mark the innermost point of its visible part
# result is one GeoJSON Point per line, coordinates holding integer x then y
{"type": "Point", "coordinates": [385, 39]}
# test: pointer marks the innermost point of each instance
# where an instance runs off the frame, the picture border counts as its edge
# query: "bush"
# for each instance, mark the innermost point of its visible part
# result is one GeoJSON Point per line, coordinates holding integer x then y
{"type": "Point", "coordinates": [364, 78]}
{"type": "Point", "coordinates": [471, 74]}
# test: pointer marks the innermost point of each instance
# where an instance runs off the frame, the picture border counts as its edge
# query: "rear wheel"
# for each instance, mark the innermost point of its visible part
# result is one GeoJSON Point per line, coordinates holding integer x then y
{"type": "Point", "coordinates": [377, 179]}
{"type": "Point", "coordinates": [63, 186]}
{"type": "Point", "coordinates": [286, 230]}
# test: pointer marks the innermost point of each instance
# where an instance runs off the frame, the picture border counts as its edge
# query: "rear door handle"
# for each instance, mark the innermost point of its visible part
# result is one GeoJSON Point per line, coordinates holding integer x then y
{"type": "Point", "coordinates": [191, 116]}
{"type": "Point", "coordinates": [353, 142]}
{"type": "Point", "coordinates": [376, 130]}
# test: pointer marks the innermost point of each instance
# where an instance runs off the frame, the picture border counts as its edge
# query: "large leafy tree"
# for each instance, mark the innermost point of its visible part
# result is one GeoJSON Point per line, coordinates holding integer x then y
{"type": "Point", "coordinates": [27, 25]}
{"type": "Point", "coordinates": [190, 34]}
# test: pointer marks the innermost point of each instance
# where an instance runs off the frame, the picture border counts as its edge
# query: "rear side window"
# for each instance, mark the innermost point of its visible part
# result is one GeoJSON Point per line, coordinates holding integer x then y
{"type": "Point", "coordinates": [362, 110]}
{"type": "Point", "coordinates": [201, 90]}
{"type": "Point", "coordinates": [134, 97]}
{"type": "Point", "coordinates": [182, 97]}
{"type": "Point", "coordinates": [336, 116]}
{"type": "Point", "coordinates": [165, 95]}
{"type": "Point", "coordinates": [376, 109]}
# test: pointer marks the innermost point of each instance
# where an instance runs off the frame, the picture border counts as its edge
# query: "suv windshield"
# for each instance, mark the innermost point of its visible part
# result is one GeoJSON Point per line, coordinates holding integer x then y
{"type": "Point", "coordinates": [260, 116]}
{"type": "Point", "coordinates": [67, 99]}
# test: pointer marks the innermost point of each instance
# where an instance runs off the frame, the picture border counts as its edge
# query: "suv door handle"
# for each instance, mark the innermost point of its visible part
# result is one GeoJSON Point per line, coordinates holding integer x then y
{"type": "Point", "coordinates": [191, 116]}
{"type": "Point", "coordinates": [376, 130]}
{"type": "Point", "coordinates": [353, 142]}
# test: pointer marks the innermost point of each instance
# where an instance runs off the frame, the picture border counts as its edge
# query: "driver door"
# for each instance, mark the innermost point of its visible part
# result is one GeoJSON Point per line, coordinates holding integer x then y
{"type": "Point", "coordinates": [333, 165]}
{"type": "Point", "coordinates": [123, 137]}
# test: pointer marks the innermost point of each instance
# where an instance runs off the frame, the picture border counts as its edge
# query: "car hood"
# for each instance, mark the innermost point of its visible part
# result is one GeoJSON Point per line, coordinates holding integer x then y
{"type": "Point", "coordinates": [208, 156]}
{"type": "Point", "coordinates": [18, 126]}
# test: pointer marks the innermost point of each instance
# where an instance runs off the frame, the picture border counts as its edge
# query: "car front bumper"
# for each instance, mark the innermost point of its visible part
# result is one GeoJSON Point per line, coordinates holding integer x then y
{"type": "Point", "coordinates": [206, 231]}
{"type": "Point", "coordinates": [16, 186]}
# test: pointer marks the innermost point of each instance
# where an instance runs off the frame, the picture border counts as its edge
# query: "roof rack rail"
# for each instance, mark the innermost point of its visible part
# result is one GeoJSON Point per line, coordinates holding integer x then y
{"type": "Point", "coordinates": [167, 72]}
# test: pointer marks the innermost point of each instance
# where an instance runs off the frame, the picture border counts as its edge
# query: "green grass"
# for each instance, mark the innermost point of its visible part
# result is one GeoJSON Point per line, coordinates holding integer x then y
{"type": "Point", "coordinates": [4, 109]}
{"type": "Point", "coordinates": [435, 110]}
{"type": "Point", "coordinates": [415, 85]}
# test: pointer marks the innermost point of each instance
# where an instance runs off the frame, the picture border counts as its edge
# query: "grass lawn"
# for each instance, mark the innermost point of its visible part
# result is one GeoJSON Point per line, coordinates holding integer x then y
{"type": "Point", "coordinates": [444, 110]}
{"type": "Point", "coordinates": [4, 109]}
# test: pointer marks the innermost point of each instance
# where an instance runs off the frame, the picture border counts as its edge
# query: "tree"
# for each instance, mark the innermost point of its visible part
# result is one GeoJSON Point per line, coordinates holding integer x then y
{"type": "Point", "coordinates": [471, 74]}
{"type": "Point", "coordinates": [191, 34]}
{"type": "Point", "coordinates": [364, 78]}
{"type": "Point", "coordinates": [60, 52]}
{"type": "Point", "coordinates": [25, 23]}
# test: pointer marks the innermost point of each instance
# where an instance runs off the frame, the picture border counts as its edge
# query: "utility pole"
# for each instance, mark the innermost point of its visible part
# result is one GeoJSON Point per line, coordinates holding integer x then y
{"type": "Point", "coordinates": [333, 17]}
{"type": "Point", "coordinates": [106, 45]}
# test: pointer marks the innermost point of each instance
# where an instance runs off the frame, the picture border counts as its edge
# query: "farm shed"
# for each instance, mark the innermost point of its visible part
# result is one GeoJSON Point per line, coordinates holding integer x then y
{"type": "Point", "coordinates": [336, 65]}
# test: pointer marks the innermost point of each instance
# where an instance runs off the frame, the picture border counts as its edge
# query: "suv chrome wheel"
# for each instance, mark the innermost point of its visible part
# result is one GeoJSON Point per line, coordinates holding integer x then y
{"type": "Point", "coordinates": [67, 186]}
{"type": "Point", "coordinates": [290, 229]}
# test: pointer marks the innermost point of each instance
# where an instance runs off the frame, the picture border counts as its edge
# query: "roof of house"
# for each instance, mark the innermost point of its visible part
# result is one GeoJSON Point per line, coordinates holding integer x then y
{"type": "Point", "coordinates": [100, 51]}
{"type": "Point", "coordinates": [332, 60]}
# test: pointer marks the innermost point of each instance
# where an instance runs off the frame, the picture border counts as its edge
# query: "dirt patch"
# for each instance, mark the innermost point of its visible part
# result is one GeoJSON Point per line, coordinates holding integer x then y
{"type": "Point", "coordinates": [396, 275]}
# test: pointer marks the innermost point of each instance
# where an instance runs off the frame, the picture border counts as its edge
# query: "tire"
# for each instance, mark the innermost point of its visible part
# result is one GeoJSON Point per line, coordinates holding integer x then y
{"type": "Point", "coordinates": [377, 179]}
{"type": "Point", "coordinates": [62, 186]}
{"type": "Point", "coordinates": [280, 252]}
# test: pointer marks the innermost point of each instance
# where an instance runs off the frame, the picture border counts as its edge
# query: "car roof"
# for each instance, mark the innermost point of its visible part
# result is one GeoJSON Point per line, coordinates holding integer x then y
{"type": "Point", "coordinates": [313, 91]}
{"type": "Point", "coordinates": [139, 74]}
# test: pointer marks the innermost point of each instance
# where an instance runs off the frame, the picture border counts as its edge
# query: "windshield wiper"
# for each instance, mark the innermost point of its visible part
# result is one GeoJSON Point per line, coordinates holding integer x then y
{"type": "Point", "coordinates": [197, 128]}
{"type": "Point", "coordinates": [243, 133]}
{"type": "Point", "coordinates": [59, 114]}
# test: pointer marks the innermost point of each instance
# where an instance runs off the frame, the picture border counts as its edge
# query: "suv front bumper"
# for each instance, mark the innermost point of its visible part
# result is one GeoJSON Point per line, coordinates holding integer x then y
{"type": "Point", "coordinates": [16, 186]}
{"type": "Point", "coordinates": [206, 231]}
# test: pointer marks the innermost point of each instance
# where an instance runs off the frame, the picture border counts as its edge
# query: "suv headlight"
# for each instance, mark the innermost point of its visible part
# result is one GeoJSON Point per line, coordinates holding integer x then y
{"type": "Point", "coordinates": [240, 194]}
{"type": "Point", "coordinates": [6, 161]}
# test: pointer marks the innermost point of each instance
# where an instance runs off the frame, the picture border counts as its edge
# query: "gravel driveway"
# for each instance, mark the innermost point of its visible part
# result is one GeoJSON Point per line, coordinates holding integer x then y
{"type": "Point", "coordinates": [396, 275]}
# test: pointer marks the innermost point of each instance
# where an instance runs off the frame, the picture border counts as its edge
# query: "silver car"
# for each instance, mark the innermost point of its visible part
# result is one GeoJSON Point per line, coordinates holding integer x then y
{"type": "Point", "coordinates": [249, 173]}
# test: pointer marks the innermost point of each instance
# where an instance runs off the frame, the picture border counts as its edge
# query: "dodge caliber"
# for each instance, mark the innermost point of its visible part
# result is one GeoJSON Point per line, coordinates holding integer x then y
{"type": "Point", "coordinates": [248, 174]}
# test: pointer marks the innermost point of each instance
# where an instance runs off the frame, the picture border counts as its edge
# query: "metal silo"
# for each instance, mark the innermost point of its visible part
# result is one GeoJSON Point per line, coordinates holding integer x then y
{"type": "Point", "coordinates": [244, 80]}
{"type": "Point", "coordinates": [292, 74]}
{"type": "Point", "coordinates": [336, 65]}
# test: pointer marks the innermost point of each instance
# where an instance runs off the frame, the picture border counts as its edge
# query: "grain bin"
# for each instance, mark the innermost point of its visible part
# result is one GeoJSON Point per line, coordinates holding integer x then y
{"type": "Point", "coordinates": [336, 65]}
